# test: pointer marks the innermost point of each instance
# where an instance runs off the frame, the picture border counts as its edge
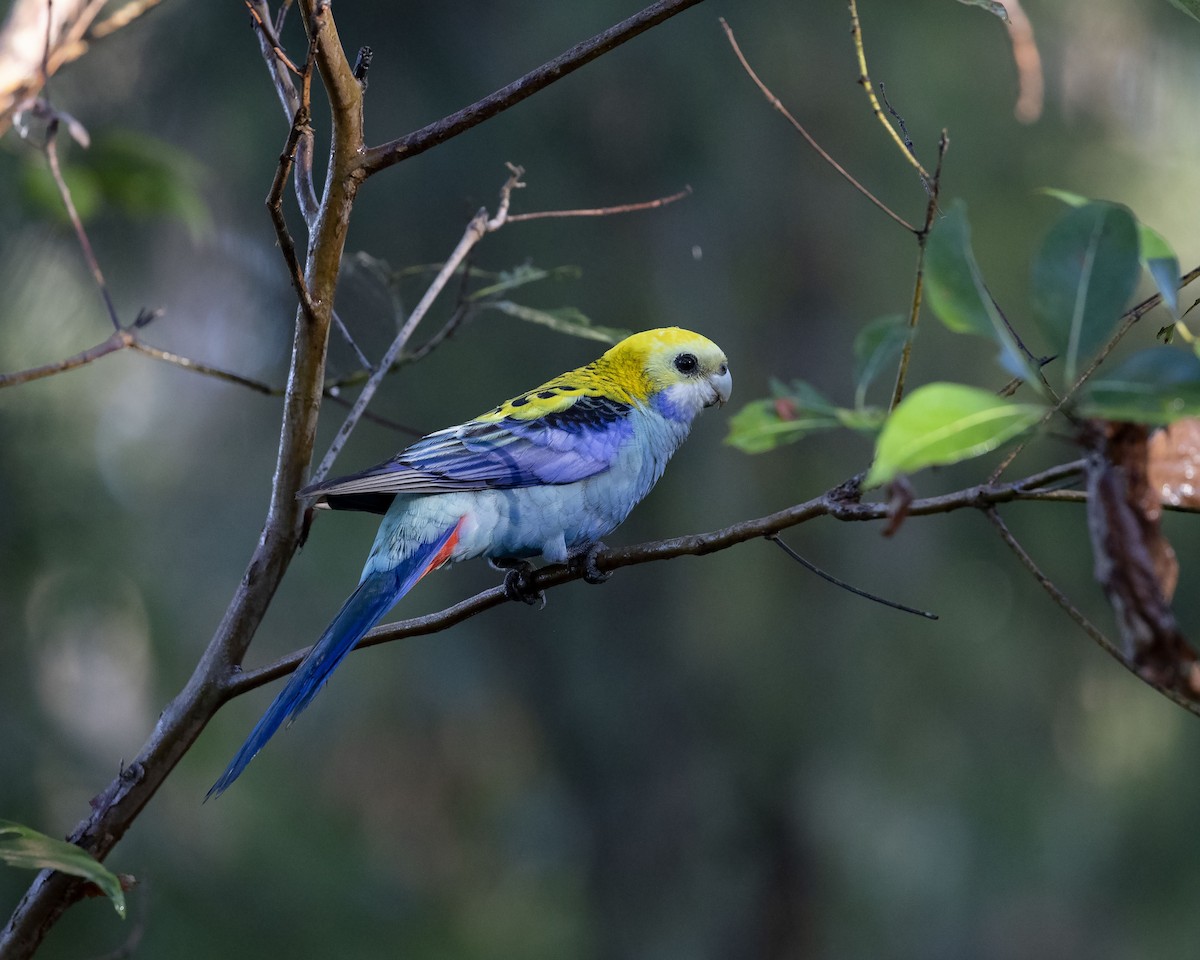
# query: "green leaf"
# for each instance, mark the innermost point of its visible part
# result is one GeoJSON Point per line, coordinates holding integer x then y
{"type": "Point", "coordinates": [566, 320]}
{"type": "Point", "coordinates": [1156, 254]}
{"type": "Point", "coordinates": [1160, 262]}
{"type": "Point", "coordinates": [1083, 276]}
{"type": "Point", "coordinates": [21, 846]}
{"type": "Point", "coordinates": [876, 348]}
{"type": "Point", "coordinates": [142, 176]}
{"type": "Point", "coordinates": [789, 415]}
{"type": "Point", "coordinates": [1156, 385]}
{"type": "Point", "coordinates": [957, 292]}
{"type": "Point", "coordinates": [1190, 7]}
{"type": "Point", "coordinates": [944, 423]}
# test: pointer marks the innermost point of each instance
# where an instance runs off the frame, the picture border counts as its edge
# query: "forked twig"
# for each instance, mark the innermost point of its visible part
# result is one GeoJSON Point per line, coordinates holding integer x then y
{"type": "Point", "coordinates": [914, 315]}
{"type": "Point", "coordinates": [778, 105]}
{"type": "Point", "coordinates": [864, 80]}
{"type": "Point", "coordinates": [1077, 615]}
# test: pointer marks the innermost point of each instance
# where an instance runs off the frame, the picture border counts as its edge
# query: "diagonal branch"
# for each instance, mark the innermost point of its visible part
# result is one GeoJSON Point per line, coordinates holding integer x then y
{"type": "Point", "coordinates": [387, 154]}
{"type": "Point", "coordinates": [778, 105]}
{"type": "Point", "coordinates": [834, 503]}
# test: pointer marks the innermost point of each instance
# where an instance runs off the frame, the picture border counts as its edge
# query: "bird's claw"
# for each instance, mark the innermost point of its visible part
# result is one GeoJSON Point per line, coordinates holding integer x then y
{"type": "Point", "coordinates": [590, 569]}
{"type": "Point", "coordinates": [518, 587]}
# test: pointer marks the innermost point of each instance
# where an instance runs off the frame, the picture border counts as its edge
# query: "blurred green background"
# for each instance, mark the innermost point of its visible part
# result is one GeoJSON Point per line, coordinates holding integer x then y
{"type": "Point", "coordinates": [720, 757]}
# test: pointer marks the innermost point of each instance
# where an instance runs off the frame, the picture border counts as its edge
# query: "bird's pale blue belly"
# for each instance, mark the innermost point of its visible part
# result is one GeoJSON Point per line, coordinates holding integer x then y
{"type": "Point", "coordinates": [554, 521]}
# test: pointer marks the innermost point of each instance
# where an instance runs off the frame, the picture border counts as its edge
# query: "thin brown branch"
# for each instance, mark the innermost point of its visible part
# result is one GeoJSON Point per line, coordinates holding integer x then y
{"type": "Point", "coordinates": [282, 69]}
{"type": "Point", "coordinates": [830, 578]}
{"type": "Point", "coordinates": [1077, 615]}
{"type": "Point", "coordinates": [116, 807]}
{"type": "Point", "coordinates": [914, 314]}
{"type": "Point", "coordinates": [778, 105]}
{"type": "Point", "coordinates": [300, 131]}
{"type": "Point", "coordinates": [195, 366]}
{"type": "Point", "coordinates": [118, 340]}
{"type": "Point", "coordinates": [477, 229]}
{"type": "Point", "coordinates": [864, 80]}
{"type": "Point", "coordinates": [259, 14]}
{"type": "Point", "coordinates": [831, 504]}
{"type": "Point", "coordinates": [602, 211]}
{"type": "Point", "coordinates": [121, 18]}
{"type": "Point", "coordinates": [85, 245]}
{"type": "Point", "coordinates": [385, 155]}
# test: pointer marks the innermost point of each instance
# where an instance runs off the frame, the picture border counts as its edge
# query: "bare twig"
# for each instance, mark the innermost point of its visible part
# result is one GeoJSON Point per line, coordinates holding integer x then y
{"type": "Point", "coordinates": [602, 211]}
{"type": "Point", "coordinates": [115, 808]}
{"type": "Point", "coordinates": [864, 80]}
{"type": "Point", "coordinates": [914, 313]}
{"type": "Point", "coordinates": [384, 155]}
{"type": "Point", "coordinates": [830, 578]}
{"type": "Point", "coordinates": [80, 234]}
{"type": "Point", "coordinates": [477, 229]}
{"type": "Point", "coordinates": [282, 69]}
{"type": "Point", "coordinates": [300, 131]}
{"type": "Point", "coordinates": [118, 340]}
{"type": "Point", "coordinates": [121, 18]}
{"type": "Point", "coordinates": [1077, 615]}
{"type": "Point", "coordinates": [778, 105]}
{"type": "Point", "coordinates": [830, 504]}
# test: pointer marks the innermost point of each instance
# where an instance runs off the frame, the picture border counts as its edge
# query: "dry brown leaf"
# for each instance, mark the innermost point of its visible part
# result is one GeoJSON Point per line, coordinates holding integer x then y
{"type": "Point", "coordinates": [1134, 563]}
{"type": "Point", "coordinates": [1174, 467]}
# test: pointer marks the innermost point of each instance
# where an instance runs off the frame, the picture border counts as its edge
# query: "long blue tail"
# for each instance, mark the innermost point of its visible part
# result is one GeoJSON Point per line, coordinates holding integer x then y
{"type": "Point", "coordinates": [375, 596]}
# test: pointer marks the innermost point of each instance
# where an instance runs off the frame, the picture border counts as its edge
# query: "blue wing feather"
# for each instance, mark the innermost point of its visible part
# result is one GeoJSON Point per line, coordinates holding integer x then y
{"type": "Point", "coordinates": [572, 444]}
{"type": "Point", "coordinates": [375, 596]}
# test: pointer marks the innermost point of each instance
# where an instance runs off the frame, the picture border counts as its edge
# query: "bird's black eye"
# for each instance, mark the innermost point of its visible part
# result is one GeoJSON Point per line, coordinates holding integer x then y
{"type": "Point", "coordinates": [686, 363]}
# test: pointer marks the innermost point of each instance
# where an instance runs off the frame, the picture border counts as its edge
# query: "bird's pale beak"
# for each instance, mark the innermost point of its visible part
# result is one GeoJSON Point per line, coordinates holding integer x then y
{"type": "Point", "coordinates": [722, 384]}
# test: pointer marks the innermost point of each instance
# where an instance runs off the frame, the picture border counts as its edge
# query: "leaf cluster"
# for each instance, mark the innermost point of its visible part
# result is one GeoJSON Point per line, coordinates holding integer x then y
{"type": "Point", "coordinates": [1082, 278]}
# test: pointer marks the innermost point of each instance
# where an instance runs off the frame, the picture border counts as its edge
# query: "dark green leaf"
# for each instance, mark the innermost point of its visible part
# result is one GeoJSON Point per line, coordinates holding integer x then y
{"type": "Point", "coordinates": [1156, 385]}
{"type": "Point", "coordinates": [876, 348]}
{"type": "Point", "coordinates": [958, 295]}
{"type": "Point", "coordinates": [1083, 276]}
{"type": "Point", "coordinates": [944, 423]}
{"type": "Point", "coordinates": [1162, 265]}
{"type": "Point", "coordinates": [1156, 254]}
{"type": "Point", "coordinates": [1190, 7]}
{"type": "Point", "coordinates": [790, 414]}
{"type": "Point", "coordinates": [21, 846]}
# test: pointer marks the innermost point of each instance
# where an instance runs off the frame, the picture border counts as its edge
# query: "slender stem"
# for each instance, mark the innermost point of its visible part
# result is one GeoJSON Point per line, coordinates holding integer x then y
{"type": "Point", "coordinates": [1077, 615]}
{"type": "Point", "coordinates": [864, 80]}
{"type": "Point", "coordinates": [914, 314]}
{"type": "Point", "coordinates": [386, 154]}
{"type": "Point", "coordinates": [81, 235]}
{"type": "Point", "coordinates": [602, 211]}
{"type": "Point", "coordinates": [477, 229]}
{"type": "Point", "coordinates": [778, 105]}
{"type": "Point", "coordinates": [830, 504]}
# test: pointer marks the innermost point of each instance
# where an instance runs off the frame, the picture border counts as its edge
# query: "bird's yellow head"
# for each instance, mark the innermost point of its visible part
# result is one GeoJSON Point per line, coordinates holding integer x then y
{"type": "Point", "coordinates": [684, 370]}
{"type": "Point", "coordinates": [690, 368]}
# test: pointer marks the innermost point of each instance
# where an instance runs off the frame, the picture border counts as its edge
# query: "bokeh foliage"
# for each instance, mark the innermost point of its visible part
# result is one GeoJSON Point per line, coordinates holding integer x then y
{"type": "Point", "coordinates": [717, 757]}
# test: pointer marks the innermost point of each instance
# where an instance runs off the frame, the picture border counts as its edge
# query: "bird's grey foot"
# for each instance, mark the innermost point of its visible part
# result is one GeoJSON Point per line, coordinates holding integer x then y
{"type": "Point", "coordinates": [518, 585]}
{"type": "Point", "coordinates": [591, 570]}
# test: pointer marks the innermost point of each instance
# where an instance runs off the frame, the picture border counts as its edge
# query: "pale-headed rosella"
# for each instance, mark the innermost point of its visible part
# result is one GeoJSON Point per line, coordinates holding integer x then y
{"type": "Point", "coordinates": [546, 474]}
